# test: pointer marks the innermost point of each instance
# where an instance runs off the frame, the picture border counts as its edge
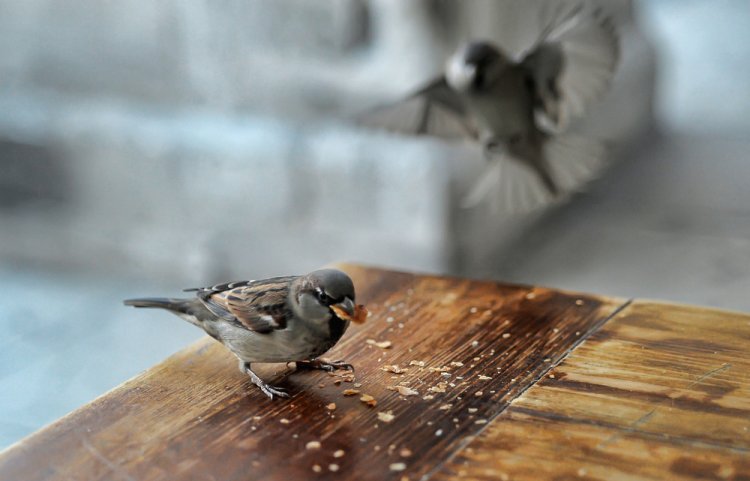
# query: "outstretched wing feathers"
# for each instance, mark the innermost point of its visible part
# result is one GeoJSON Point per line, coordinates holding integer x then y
{"type": "Point", "coordinates": [573, 62]}
{"type": "Point", "coordinates": [434, 109]}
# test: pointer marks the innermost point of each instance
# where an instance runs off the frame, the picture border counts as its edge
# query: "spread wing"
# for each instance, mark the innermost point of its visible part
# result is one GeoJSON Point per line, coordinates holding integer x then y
{"type": "Point", "coordinates": [434, 109]}
{"type": "Point", "coordinates": [259, 306]}
{"type": "Point", "coordinates": [572, 63]}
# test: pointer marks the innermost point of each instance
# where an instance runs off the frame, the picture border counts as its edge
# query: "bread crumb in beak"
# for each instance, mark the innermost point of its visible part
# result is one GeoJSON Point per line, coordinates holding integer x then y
{"type": "Point", "coordinates": [359, 316]}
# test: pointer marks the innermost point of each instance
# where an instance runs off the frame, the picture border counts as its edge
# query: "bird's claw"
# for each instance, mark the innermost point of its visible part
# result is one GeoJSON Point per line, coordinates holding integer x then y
{"type": "Point", "coordinates": [267, 389]}
{"type": "Point", "coordinates": [328, 366]}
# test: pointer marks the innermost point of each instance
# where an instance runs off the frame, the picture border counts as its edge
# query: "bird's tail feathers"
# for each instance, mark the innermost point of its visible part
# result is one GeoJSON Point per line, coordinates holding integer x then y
{"type": "Point", "coordinates": [170, 304]}
{"type": "Point", "coordinates": [573, 161]}
{"type": "Point", "coordinates": [508, 185]}
{"type": "Point", "coordinates": [512, 185]}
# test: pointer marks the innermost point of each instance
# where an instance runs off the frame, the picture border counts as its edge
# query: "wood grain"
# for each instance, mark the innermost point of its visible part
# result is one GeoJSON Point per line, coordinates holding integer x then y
{"type": "Point", "coordinates": [660, 392]}
{"type": "Point", "coordinates": [195, 416]}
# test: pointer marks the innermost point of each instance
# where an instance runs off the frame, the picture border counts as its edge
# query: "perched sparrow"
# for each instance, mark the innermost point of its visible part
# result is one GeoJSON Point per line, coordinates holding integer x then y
{"type": "Point", "coordinates": [282, 319]}
{"type": "Point", "coordinates": [517, 106]}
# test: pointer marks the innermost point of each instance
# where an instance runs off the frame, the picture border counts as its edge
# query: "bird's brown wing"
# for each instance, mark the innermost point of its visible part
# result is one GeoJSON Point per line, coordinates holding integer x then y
{"type": "Point", "coordinates": [259, 306]}
{"type": "Point", "coordinates": [572, 63]}
{"type": "Point", "coordinates": [434, 109]}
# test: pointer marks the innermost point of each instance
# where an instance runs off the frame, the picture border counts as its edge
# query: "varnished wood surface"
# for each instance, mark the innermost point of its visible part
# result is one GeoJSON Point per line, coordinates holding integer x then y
{"type": "Point", "coordinates": [659, 392]}
{"type": "Point", "coordinates": [538, 384]}
{"type": "Point", "coordinates": [195, 416]}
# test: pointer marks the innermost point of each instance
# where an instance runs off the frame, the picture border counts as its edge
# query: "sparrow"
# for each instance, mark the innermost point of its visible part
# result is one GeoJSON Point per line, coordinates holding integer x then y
{"type": "Point", "coordinates": [517, 108]}
{"type": "Point", "coordinates": [281, 319]}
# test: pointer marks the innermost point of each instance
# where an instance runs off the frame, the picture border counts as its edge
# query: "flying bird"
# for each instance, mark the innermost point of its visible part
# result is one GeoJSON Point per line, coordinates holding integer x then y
{"type": "Point", "coordinates": [281, 319]}
{"type": "Point", "coordinates": [518, 108]}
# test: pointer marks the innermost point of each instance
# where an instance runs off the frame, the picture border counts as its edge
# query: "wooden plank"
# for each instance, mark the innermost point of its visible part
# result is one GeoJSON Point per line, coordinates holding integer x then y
{"type": "Point", "coordinates": [660, 392]}
{"type": "Point", "coordinates": [195, 416]}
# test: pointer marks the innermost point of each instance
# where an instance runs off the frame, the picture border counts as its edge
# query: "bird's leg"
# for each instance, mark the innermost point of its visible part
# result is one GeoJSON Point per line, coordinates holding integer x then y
{"type": "Point", "coordinates": [328, 366]}
{"type": "Point", "coordinates": [268, 390]}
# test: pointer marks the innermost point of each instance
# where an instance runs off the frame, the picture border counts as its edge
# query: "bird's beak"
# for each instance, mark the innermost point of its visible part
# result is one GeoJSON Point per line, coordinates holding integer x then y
{"type": "Point", "coordinates": [347, 305]}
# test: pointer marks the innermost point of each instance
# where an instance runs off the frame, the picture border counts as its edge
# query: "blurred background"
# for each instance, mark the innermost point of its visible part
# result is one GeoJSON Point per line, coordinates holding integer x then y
{"type": "Point", "coordinates": [146, 147]}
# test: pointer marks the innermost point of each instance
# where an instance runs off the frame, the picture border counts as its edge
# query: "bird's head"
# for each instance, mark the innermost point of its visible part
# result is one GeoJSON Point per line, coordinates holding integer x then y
{"type": "Point", "coordinates": [474, 67]}
{"type": "Point", "coordinates": [316, 295]}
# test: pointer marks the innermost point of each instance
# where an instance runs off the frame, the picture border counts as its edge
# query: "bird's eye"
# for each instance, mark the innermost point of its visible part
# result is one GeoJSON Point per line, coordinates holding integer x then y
{"type": "Point", "coordinates": [323, 298]}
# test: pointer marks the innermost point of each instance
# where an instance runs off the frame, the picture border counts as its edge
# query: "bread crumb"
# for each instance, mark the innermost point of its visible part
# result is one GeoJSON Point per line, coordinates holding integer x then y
{"type": "Point", "coordinates": [381, 344]}
{"type": "Point", "coordinates": [482, 377]}
{"type": "Point", "coordinates": [331, 407]}
{"type": "Point", "coordinates": [404, 391]}
{"type": "Point", "coordinates": [339, 453]}
{"type": "Point", "coordinates": [480, 421]}
{"type": "Point", "coordinates": [386, 417]}
{"type": "Point", "coordinates": [474, 343]}
{"type": "Point", "coordinates": [397, 466]}
{"type": "Point", "coordinates": [445, 407]}
{"type": "Point", "coordinates": [284, 421]}
{"type": "Point", "coordinates": [472, 410]}
{"type": "Point", "coordinates": [333, 467]}
{"type": "Point", "coordinates": [394, 369]}
{"type": "Point", "coordinates": [313, 445]}
{"type": "Point", "coordinates": [405, 452]}
{"type": "Point", "coordinates": [369, 400]}
{"type": "Point", "coordinates": [506, 335]}
{"type": "Point", "coordinates": [350, 392]}
{"type": "Point", "coordinates": [316, 468]}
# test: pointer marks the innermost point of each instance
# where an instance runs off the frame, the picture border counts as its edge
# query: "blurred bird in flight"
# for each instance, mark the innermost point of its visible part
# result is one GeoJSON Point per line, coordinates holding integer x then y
{"type": "Point", "coordinates": [518, 108]}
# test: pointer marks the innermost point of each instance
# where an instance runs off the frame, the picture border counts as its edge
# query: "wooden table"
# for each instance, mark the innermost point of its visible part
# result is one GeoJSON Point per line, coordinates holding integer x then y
{"type": "Point", "coordinates": [513, 383]}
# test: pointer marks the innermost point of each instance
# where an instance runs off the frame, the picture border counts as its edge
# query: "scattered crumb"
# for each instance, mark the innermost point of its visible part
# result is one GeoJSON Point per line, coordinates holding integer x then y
{"type": "Point", "coordinates": [331, 407]}
{"type": "Point", "coordinates": [428, 397]}
{"type": "Point", "coordinates": [552, 376]}
{"type": "Point", "coordinates": [480, 421]}
{"type": "Point", "coordinates": [339, 453]}
{"type": "Point", "coordinates": [333, 467]}
{"type": "Point", "coordinates": [405, 452]}
{"type": "Point", "coordinates": [506, 335]}
{"type": "Point", "coordinates": [473, 310]}
{"type": "Point", "coordinates": [477, 359]}
{"type": "Point", "coordinates": [555, 330]}
{"type": "Point", "coordinates": [389, 319]}
{"type": "Point", "coordinates": [439, 432]}
{"type": "Point", "coordinates": [482, 377]}
{"type": "Point", "coordinates": [456, 364]}
{"type": "Point", "coordinates": [439, 388]}
{"type": "Point", "coordinates": [397, 466]}
{"type": "Point", "coordinates": [386, 417]}
{"type": "Point", "coordinates": [284, 421]}
{"type": "Point", "coordinates": [445, 374]}
{"type": "Point", "coordinates": [581, 472]}
{"type": "Point", "coordinates": [350, 392]}
{"type": "Point", "coordinates": [381, 344]}
{"type": "Point", "coordinates": [369, 400]}
{"type": "Point", "coordinates": [404, 391]}
{"type": "Point", "coordinates": [472, 410]}
{"type": "Point", "coordinates": [295, 436]}
{"type": "Point", "coordinates": [445, 407]}
{"type": "Point", "coordinates": [321, 385]}
{"type": "Point", "coordinates": [474, 343]}
{"type": "Point", "coordinates": [579, 302]}
{"type": "Point", "coordinates": [578, 333]}
{"type": "Point", "coordinates": [530, 295]}
{"type": "Point", "coordinates": [416, 363]}
{"type": "Point", "coordinates": [478, 393]}
{"type": "Point", "coordinates": [256, 418]}
{"type": "Point", "coordinates": [313, 445]}
{"type": "Point", "coordinates": [316, 468]}
{"type": "Point", "coordinates": [394, 369]}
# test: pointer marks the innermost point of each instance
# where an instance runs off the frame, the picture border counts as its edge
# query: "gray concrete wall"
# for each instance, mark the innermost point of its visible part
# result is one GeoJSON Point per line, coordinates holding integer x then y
{"type": "Point", "coordinates": [201, 140]}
